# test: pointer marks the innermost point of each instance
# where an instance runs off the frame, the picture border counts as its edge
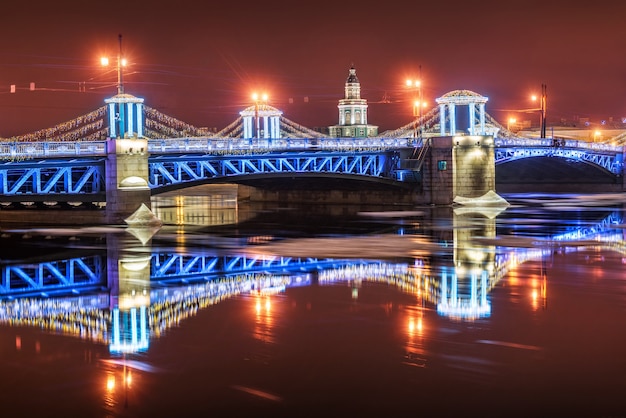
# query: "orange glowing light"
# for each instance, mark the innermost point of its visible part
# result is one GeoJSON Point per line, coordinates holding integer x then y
{"type": "Point", "coordinates": [110, 383]}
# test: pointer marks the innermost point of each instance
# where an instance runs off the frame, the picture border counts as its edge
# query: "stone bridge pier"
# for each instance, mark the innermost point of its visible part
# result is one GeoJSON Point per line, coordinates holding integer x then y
{"type": "Point", "coordinates": [458, 166]}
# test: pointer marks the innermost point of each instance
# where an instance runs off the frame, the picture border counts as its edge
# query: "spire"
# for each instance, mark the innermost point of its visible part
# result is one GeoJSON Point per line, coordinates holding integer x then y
{"type": "Point", "coordinates": [352, 78]}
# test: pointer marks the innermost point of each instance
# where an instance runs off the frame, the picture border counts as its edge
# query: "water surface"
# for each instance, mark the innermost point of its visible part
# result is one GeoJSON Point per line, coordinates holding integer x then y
{"type": "Point", "coordinates": [236, 310]}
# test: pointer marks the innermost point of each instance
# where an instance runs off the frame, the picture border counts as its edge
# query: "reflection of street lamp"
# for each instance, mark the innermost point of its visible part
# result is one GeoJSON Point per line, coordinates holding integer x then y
{"type": "Point", "coordinates": [257, 101]}
{"type": "Point", "coordinates": [121, 62]}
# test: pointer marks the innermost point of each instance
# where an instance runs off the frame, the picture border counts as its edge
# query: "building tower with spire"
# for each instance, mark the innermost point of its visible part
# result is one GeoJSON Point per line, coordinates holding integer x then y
{"type": "Point", "coordinates": [352, 112]}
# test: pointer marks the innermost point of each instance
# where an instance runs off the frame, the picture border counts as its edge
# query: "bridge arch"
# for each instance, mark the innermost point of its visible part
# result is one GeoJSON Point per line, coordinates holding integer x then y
{"type": "Point", "coordinates": [168, 172]}
{"type": "Point", "coordinates": [556, 170]}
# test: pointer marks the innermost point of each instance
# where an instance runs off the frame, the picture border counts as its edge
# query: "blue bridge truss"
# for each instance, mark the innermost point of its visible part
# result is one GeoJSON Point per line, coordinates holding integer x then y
{"type": "Point", "coordinates": [41, 171]}
{"type": "Point", "coordinates": [168, 170]}
{"type": "Point", "coordinates": [63, 179]}
{"type": "Point", "coordinates": [605, 156]}
{"type": "Point", "coordinates": [46, 278]}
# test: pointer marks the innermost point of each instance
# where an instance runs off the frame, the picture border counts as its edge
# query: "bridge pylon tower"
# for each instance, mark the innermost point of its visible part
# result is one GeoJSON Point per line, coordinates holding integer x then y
{"type": "Point", "coordinates": [127, 158]}
{"type": "Point", "coordinates": [125, 116]}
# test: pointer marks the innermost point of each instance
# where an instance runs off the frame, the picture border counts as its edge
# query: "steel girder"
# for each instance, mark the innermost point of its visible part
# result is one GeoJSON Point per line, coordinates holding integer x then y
{"type": "Point", "coordinates": [69, 275]}
{"type": "Point", "coordinates": [612, 163]}
{"type": "Point", "coordinates": [604, 228]}
{"type": "Point", "coordinates": [53, 177]}
{"type": "Point", "coordinates": [171, 170]}
{"type": "Point", "coordinates": [184, 267]}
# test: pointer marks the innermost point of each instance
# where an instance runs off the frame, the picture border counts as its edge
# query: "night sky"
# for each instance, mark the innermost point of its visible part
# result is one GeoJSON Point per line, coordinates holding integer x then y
{"type": "Point", "coordinates": [200, 61]}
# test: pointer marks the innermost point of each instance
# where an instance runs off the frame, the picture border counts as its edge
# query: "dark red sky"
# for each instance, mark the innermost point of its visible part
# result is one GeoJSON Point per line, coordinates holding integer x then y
{"type": "Point", "coordinates": [200, 61]}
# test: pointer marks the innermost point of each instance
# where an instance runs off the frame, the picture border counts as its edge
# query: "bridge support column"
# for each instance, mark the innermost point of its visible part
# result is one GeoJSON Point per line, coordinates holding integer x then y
{"type": "Point", "coordinates": [126, 178]}
{"type": "Point", "coordinates": [459, 166]}
{"type": "Point", "coordinates": [474, 165]}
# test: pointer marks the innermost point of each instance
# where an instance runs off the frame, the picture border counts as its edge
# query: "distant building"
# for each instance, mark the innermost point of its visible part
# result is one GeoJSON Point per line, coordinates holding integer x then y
{"type": "Point", "coordinates": [352, 112]}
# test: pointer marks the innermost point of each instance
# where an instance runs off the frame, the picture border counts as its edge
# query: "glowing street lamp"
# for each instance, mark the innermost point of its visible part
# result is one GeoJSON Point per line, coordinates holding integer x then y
{"type": "Point", "coordinates": [258, 100]}
{"type": "Point", "coordinates": [509, 122]}
{"type": "Point", "coordinates": [121, 62]}
{"type": "Point", "coordinates": [597, 135]}
{"type": "Point", "coordinates": [418, 104]}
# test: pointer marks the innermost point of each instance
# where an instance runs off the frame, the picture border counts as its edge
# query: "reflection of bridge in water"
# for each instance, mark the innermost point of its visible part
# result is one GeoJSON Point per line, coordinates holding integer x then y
{"type": "Point", "coordinates": [125, 300]}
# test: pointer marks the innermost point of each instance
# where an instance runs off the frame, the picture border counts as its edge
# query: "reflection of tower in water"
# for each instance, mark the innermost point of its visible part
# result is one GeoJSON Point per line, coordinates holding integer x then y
{"type": "Point", "coordinates": [464, 288]}
{"type": "Point", "coordinates": [130, 300]}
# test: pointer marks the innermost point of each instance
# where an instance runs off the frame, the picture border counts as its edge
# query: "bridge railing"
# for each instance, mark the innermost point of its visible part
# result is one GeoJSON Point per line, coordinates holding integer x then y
{"type": "Point", "coordinates": [26, 150]}
{"type": "Point", "coordinates": [557, 142]}
{"type": "Point", "coordinates": [228, 145]}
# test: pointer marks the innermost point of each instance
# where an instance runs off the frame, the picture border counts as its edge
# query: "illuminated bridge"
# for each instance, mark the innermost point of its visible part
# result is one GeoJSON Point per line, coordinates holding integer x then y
{"type": "Point", "coordinates": [69, 161]}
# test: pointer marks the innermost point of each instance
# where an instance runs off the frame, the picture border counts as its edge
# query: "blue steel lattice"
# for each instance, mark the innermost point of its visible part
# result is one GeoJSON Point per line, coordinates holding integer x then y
{"type": "Point", "coordinates": [171, 170]}
{"type": "Point", "coordinates": [611, 162]}
{"type": "Point", "coordinates": [69, 275]}
{"type": "Point", "coordinates": [187, 267]}
{"type": "Point", "coordinates": [52, 177]}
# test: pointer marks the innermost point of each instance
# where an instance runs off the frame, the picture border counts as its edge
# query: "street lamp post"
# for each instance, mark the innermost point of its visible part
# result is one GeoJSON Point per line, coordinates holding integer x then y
{"type": "Point", "coordinates": [121, 62]}
{"type": "Point", "coordinates": [417, 106]}
{"type": "Point", "coordinates": [544, 98]}
{"type": "Point", "coordinates": [543, 102]}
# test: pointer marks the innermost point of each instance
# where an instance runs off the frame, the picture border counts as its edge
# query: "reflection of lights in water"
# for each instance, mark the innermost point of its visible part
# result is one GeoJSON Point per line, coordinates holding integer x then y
{"type": "Point", "coordinates": [260, 305]}
{"type": "Point", "coordinates": [129, 330]}
{"type": "Point", "coordinates": [534, 297]}
{"type": "Point", "coordinates": [110, 382]}
{"type": "Point", "coordinates": [180, 210]}
{"type": "Point", "coordinates": [135, 263]}
{"type": "Point", "coordinates": [533, 282]}
{"type": "Point", "coordinates": [415, 352]}
{"type": "Point", "coordinates": [209, 208]}
{"type": "Point", "coordinates": [465, 306]}
{"type": "Point", "coordinates": [264, 321]}
{"type": "Point", "coordinates": [113, 392]}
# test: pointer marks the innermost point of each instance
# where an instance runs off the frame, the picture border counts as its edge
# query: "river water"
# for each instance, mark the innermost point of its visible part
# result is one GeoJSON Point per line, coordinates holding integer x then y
{"type": "Point", "coordinates": [232, 309]}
